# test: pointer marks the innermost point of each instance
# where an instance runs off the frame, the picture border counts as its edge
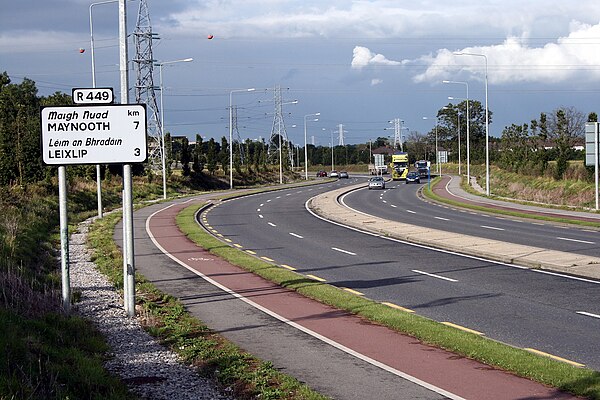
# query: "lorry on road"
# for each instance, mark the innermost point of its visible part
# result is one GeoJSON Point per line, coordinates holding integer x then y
{"type": "Point", "coordinates": [399, 165]}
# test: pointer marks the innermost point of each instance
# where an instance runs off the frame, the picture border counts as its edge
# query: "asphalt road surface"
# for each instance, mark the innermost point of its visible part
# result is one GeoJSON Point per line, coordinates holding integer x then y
{"type": "Point", "coordinates": [525, 308]}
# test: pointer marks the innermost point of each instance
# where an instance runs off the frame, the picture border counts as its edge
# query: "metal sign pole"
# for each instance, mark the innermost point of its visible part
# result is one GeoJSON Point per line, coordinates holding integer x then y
{"type": "Point", "coordinates": [596, 162]}
{"type": "Point", "coordinates": [64, 238]}
{"type": "Point", "coordinates": [127, 178]}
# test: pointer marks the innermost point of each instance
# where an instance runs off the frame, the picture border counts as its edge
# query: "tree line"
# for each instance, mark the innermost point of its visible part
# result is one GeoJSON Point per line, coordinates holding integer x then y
{"type": "Point", "coordinates": [525, 148]}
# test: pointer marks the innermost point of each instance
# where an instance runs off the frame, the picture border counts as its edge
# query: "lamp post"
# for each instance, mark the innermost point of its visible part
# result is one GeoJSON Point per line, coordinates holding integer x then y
{"type": "Point", "coordinates": [98, 175]}
{"type": "Point", "coordinates": [468, 124]}
{"type": "Point", "coordinates": [436, 142]}
{"type": "Point", "coordinates": [162, 121]}
{"type": "Point", "coordinates": [305, 144]}
{"type": "Point", "coordinates": [231, 132]}
{"type": "Point", "coordinates": [487, 132]}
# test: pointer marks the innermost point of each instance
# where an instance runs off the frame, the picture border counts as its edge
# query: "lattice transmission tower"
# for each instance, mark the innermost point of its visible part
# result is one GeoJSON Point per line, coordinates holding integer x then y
{"type": "Point", "coordinates": [144, 86]}
{"type": "Point", "coordinates": [278, 142]}
{"type": "Point", "coordinates": [234, 125]}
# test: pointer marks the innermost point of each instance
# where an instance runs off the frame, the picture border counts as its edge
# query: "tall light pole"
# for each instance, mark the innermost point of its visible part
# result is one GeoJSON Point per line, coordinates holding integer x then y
{"type": "Point", "coordinates": [305, 144]}
{"type": "Point", "coordinates": [231, 132]}
{"type": "Point", "coordinates": [98, 175]}
{"type": "Point", "coordinates": [162, 121]}
{"type": "Point", "coordinates": [468, 125]}
{"type": "Point", "coordinates": [487, 132]}
{"type": "Point", "coordinates": [436, 142]}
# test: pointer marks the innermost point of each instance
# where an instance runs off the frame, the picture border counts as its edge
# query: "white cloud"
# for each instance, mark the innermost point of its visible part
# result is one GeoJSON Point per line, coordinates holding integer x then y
{"type": "Point", "coordinates": [363, 57]}
{"type": "Point", "coordinates": [376, 81]}
{"type": "Point", "coordinates": [514, 61]}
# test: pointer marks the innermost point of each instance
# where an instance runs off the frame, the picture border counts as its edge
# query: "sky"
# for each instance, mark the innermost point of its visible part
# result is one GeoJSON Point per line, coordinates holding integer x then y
{"type": "Point", "coordinates": [357, 63]}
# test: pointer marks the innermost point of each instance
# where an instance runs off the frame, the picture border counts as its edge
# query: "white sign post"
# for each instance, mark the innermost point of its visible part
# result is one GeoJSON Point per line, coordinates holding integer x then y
{"type": "Point", "coordinates": [101, 134]}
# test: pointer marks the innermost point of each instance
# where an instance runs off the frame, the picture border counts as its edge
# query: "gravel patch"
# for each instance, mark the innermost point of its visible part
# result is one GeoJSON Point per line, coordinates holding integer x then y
{"type": "Point", "coordinates": [149, 369]}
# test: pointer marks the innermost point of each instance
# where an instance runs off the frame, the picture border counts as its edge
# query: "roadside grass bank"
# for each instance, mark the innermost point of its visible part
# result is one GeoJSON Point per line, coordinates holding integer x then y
{"type": "Point", "coordinates": [579, 381]}
{"type": "Point", "coordinates": [428, 193]}
{"type": "Point", "coordinates": [163, 316]}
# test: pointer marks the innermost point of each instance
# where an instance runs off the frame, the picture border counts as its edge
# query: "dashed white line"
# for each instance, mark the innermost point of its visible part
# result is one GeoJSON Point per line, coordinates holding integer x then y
{"type": "Point", "coordinates": [258, 210]}
{"type": "Point", "coordinates": [491, 227]}
{"type": "Point", "coordinates": [296, 235]}
{"type": "Point", "coordinates": [575, 240]}
{"type": "Point", "coordinates": [410, 211]}
{"type": "Point", "coordinates": [442, 219]}
{"type": "Point", "coordinates": [343, 251]}
{"type": "Point", "coordinates": [260, 216]}
{"type": "Point", "coordinates": [272, 224]}
{"type": "Point", "coordinates": [391, 205]}
{"type": "Point", "coordinates": [434, 275]}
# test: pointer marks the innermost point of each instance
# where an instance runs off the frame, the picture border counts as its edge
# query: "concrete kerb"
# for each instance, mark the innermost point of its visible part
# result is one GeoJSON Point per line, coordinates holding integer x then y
{"type": "Point", "coordinates": [328, 206]}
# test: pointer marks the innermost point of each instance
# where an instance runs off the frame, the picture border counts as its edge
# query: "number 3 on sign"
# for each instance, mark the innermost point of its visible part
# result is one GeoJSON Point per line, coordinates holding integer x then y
{"type": "Point", "coordinates": [136, 152]}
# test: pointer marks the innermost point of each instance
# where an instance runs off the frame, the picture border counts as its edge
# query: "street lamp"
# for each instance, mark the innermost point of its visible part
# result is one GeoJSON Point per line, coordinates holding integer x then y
{"type": "Point", "coordinates": [231, 132]}
{"type": "Point", "coordinates": [162, 121]}
{"type": "Point", "coordinates": [487, 132]}
{"type": "Point", "coordinates": [468, 124]}
{"type": "Point", "coordinates": [436, 142]}
{"type": "Point", "coordinates": [98, 177]}
{"type": "Point", "coordinates": [305, 148]}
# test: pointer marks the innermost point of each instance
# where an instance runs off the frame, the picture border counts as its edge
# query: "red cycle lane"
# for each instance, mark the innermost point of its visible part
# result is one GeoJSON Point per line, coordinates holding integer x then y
{"type": "Point", "coordinates": [444, 372]}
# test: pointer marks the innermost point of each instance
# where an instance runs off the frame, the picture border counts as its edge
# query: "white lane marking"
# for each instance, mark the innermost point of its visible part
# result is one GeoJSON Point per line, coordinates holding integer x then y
{"type": "Point", "coordinates": [491, 227]}
{"type": "Point", "coordinates": [587, 314]}
{"type": "Point", "coordinates": [272, 224]}
{"type": "Point", "coordinates": [296, 325]}
{"type": "Point", "coordinates": [575, 240]}
{"type": "Point", "coordinates": [296, 235]}
{"type": "Point", "coordinates": [422, 246]}
{"type": "Point", "coordinates": [258, 210]}
{"type": "Point", "coordinates": [268, 201]}
{"type": "Point", "coordinates": [434, 275]}
{"type": "Point", "coordinates": [261, 204]}
{"type": "Point", "coordinates": [260, 216]}
{"type": "Point", "coordinates": [410, 211]}
{"type": "Point", "coordinates": [442, 219]}
{"type": "Point", "coordinates": [278, 197]}
{"type": "Point", "coordinates": [391, 205]}
{"type": "Point", "coordinates": [289, 194]}
{"type": "Point", "coordinates": [385, 201]}
{"type": "Point", "coordinates": [343, 251]}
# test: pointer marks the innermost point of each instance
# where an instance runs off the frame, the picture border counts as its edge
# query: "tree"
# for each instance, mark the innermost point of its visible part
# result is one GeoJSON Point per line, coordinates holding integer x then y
{"type": "Point", "coordinates": [565, 125]}
{"type": "Point", "coordinates": [224, 155]}
{"type": "Point", "coordinates": [516, 146]}
{"type": "Point", "coordinates": [198, 156]}
{"type": "Point", "coordinates": [211, 156]}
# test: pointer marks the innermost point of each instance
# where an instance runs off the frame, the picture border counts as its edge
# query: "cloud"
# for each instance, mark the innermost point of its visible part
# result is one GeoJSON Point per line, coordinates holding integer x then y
{"type": "Point", "coordinates": [376, 81]}
{"type": "Point", "coordinates": [363, 57]}
{"type": "Point", "coordinates": [515, 61]}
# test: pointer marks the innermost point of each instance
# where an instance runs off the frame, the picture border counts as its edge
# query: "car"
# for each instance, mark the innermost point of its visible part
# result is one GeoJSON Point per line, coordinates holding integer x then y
{"type": "Point", "coordinates": [413, 176]}
{"type": "Point", "coordinates": [343, 175]}
{"type": "Point", "coordinates": [321, 174]}
{"type": "Point", "coordinates": [377, 182]}
{"type": "Point", "coordinates": [334, 174]}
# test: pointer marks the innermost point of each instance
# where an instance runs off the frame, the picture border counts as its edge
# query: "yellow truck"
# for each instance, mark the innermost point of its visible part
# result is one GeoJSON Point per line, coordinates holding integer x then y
{"type": "Point", "coordinates": [399, 165]}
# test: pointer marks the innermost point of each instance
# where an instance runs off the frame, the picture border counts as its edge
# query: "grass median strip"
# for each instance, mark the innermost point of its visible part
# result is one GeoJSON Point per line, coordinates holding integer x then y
{"type": "Point", "coordinates": [580, 381]}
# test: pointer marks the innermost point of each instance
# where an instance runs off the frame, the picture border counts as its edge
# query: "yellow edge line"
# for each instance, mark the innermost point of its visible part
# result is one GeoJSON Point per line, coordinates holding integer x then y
{"type": "Point", "coordinates": [353, 291]}
{"type": "Point", "coordinates": [541, 353]}
{"type": "Point", "coordinates": [250, 252]}
{"type": "Point", "coordinates": [397, 307]}
{"type": "Point", "coordinates": [228, 240]}
{"type": "Point", "coordinates": [288, 267]}
{"type": "Point", "coordinates": [219, 235]}
{"type": "Point", "coordinates": [239, 246]}
{"type": "Point", "coordinates": [267, 259]}
{"type": "Point", "coordinates": [316, 278]}
{"type": "Point", "coordinates": [462, 328]}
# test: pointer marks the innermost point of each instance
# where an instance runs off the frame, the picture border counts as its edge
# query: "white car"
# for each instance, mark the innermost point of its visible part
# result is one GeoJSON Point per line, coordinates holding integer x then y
{"type": "Point", "coordinates": [376, 182]}
{"type": "Point", "coordinates": [334, 174]}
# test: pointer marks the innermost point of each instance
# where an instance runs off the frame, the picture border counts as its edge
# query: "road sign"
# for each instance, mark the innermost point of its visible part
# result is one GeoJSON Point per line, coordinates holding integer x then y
{"type": "Point", "coordinates": [92, 95]}
{"type": "Point", "coordinates": [101, 134]}
{"type": "Point", "coordinates": [591, 133]}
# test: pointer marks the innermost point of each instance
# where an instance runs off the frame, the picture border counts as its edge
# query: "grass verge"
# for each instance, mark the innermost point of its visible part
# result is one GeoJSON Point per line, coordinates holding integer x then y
{"type": "Point", "coordinates": [428, 192]}
{"type": "Point", "coordinates": [238, 373]}
{"type": "Point", "coordinates": [579, 381]}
